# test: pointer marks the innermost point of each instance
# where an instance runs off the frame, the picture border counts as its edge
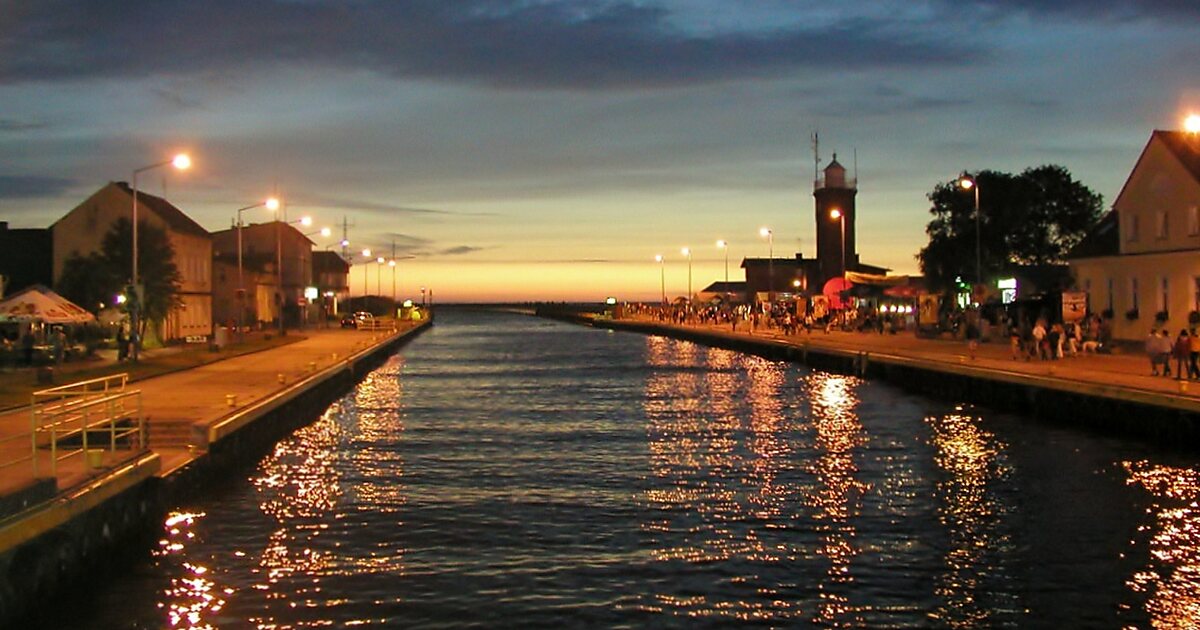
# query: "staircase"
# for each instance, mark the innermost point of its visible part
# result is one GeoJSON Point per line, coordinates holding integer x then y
{"type": "Point", "coordinates": [169, 432]}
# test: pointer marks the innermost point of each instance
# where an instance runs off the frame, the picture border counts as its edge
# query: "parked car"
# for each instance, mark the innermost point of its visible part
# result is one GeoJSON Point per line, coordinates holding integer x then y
{"type": "Point", "coordinates": [356, 320]}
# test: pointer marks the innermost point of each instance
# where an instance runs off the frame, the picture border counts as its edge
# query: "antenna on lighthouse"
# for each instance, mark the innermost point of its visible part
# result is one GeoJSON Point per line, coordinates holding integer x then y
{"type": "Point", "coordinates": [816, 147]}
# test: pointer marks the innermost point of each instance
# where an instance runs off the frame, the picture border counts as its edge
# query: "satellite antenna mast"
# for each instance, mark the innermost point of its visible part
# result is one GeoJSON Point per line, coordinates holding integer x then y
{"type": "Point", "coordinates": [345, 238]}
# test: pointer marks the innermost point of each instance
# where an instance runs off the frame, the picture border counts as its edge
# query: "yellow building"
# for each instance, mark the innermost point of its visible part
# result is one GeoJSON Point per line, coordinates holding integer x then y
{"type": "Point", "coordinates": [81, 232]}
{"type": "Point", "coordinates": [1141, 264]}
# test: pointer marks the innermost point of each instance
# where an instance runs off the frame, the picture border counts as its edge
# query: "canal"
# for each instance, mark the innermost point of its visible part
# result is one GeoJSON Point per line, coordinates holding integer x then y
{"type": "Point", "coordinates": [506, 470]}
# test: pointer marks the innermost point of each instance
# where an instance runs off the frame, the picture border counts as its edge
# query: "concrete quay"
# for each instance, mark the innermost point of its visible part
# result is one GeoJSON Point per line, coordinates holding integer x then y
{"type": "Point", "coordinates": [201, 423]}
{"type": "Point", "coordinates": [1113, 393]}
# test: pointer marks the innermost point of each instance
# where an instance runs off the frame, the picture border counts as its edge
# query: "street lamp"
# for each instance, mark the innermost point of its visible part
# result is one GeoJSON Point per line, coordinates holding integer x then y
{"type": "Point", "coordinates": [840, 217]}
{"type": "Point", "coordinates": [968, 182]}
{"type": "Point", "coordinates": [770, 236]}
{"type": "Point", "coordinates": [1191, 124]}
{"type": "Point", "coordinates": [181, 162]}
{"type": "Point", "coordinates": [367, 256]}
{"type": "Point", "coordinates": [725, 246]}
{"type": "Point", "coordinates": [662, 275]}
{"type": "Point", "coordinates": [379, 275]}
{"type": "Point", "coordinates": [688, 252]}
{"type": "Point", "coordinates": [271, 204]}
{"type": "Point", "coordinates": [392, 264]}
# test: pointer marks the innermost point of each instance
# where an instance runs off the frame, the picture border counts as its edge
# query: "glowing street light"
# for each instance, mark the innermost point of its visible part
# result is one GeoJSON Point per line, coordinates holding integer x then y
{"type": "Point", "coordinates": [840, 217]}
{"type": "Point", "coordinates": [688, 252]}
{"type": "Point", "coordinates": [662, 275]}
{"type": "Point", "coordinates": [271, 204]}
{"type": "Point", "coordinates": [766, 233]}
{"type": "Point", "coordinates": [181, 162]}
{"type": "Point", "coordinates": [1191, 124]}
{"type": "Point", "coordinates": [723, 244]}
{"type": "Point", "coordinates": [968, 182]}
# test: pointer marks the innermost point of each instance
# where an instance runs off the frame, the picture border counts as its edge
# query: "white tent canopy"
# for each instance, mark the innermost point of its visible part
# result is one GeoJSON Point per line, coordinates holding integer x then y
{"type": "Point", "coordinates": [38, 303]}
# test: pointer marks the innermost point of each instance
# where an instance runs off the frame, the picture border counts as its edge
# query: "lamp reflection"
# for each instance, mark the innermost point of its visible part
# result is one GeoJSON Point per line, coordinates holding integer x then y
{"type": "Point", "coordinates": [718, 440]}
{"type": "Point", "coordinates": [1170, 580]}
{"type": "Point", "coordinates": [837, 497]}
{"type": "Point", "coordinates": [193, 599]}
{"type": "Point", "coordinates": [973, 463]}
{"type": "Point", "coordinates": [302, 482]}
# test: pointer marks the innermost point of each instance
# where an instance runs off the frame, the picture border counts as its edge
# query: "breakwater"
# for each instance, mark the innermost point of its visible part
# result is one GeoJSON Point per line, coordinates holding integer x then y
{"type": "Point", "coordinates": [1110, 407]}
{"type": "Point", "coordinates": [64, 543]}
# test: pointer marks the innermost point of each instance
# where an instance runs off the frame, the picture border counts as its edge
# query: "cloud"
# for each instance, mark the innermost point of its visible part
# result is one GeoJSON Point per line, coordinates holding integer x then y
{"type": "Point", "coordinates": [573, 44]}
{"type": "Point", "coordinates": [9, 124]}
{"type": "Point", "coordinates": [28, 186]}
{"type": "Point", "coordinates": [460, 250]}
{"type": "Point", "coordinates": [1090, 10]}
{"type": "Point", "coordinates": [309, 200]}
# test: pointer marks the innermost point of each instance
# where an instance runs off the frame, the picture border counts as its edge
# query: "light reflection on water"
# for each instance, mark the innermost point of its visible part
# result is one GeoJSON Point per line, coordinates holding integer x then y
{"type": "Point", "coordinates": [511, 471]}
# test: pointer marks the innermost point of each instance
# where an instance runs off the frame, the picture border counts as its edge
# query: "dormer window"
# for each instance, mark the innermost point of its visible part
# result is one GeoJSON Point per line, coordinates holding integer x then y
{"type": "Point", "coordinates": [1160, 231]}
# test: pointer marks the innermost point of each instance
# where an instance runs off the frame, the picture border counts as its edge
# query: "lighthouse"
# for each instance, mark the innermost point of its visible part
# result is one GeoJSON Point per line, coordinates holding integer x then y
{"type": "Point", "coordinates": [835, 213]}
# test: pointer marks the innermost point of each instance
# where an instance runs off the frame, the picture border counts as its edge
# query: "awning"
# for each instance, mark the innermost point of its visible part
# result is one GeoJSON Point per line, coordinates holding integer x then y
{"type": "Point", "coordinates": [37, 303]}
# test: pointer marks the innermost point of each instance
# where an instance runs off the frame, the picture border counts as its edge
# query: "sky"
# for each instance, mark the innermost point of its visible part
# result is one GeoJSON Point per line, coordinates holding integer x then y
{"type": "Point", "coordinates": [526, 150]}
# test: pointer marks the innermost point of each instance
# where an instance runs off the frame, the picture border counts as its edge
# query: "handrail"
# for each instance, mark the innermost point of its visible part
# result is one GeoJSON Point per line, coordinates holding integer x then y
{"type": "Point", "coordinates": [79, 410]}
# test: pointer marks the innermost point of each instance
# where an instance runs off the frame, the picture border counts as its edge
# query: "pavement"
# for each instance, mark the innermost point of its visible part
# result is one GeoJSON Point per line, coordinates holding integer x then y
{"type": "Point", "coordinates": [1126, 370]}
{"type": "Point", "coordinates": [172, 403]}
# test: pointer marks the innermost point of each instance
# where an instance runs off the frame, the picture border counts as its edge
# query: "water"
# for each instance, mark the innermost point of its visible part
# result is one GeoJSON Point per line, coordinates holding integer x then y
{"type": "Point", "coordinates": [507, 471]}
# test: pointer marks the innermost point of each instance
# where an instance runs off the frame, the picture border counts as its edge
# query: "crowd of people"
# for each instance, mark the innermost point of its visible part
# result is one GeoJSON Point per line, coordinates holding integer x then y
{"type": "Point", "coordinates": [1184, 350]}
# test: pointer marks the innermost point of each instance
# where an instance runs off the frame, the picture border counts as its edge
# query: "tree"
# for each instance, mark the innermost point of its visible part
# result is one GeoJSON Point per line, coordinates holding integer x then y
{"type": "Point", "coordinates": [89, 281]}
{"type": "Point", "coordinates": [157, 272]}
{"type": "Point", "coordinates": [1032, 218]}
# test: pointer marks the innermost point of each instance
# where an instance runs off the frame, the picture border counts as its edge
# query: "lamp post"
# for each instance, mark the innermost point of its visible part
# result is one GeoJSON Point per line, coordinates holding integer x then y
{"type": "Point", "coordinates": [379, 275]}
{"type": "Point", "coordinates": [725, 246]}
{"type": "Point", "coordinates": [422, 297]}
{"type": "Point", "coordinates": [367, 258]}
{"type": "Point", "coordinates": [662, 275]}
{"type": "Point", "coordinates": [968, 182]}
{"type": "Point", "coordinates": [688, 252]}
{"type": "Point", "coordinates": [840, 217]}
{"type": "Point", "coordinates": [770, 236]}
{"type": "Point", "coordinates": [392, 264]}
{"type": "Point", "coordinates": [181, 162]}
{"type": "Point", "coordinates": [271, 204]}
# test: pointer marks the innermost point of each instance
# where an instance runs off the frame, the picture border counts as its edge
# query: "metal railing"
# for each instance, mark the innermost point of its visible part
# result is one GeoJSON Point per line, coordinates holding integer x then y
{"type": "Point", "coordinates": [377, 324]}
{"type": "Point", "coordinates": [86, 419]}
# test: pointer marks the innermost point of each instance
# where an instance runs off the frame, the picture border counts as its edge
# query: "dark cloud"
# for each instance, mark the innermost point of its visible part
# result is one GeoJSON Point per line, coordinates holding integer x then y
{"type": "Point", "coordinates": [1085, 10]}
{"type": "Point", "coordinates": [30, 186]}
{"type": "Point", "coordinates": [9, 124]}
{"type": "Point", "coordinates": [312, 200]}
{"type": "Point", "coordinates": [515, 43]}
{"type": "Point", "coordinates": [460, 250]}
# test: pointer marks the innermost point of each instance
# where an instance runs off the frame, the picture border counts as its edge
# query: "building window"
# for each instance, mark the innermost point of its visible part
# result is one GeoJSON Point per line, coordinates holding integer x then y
{"type": "Point", "coordinates": [1133, 291]}
{"type": "Point", "coordinates": [1194, 221]}
{"type": "Point", "coordinates": [1164, 299]}
{"type": "Point", "coordinates": [1161, 225]}
{"type": "Point", "coordinates": [1196, 293]}
{"type": "Point", "coordinates": [1132, 232]}
{"type": "Point", "coordinates": [1111, 291]}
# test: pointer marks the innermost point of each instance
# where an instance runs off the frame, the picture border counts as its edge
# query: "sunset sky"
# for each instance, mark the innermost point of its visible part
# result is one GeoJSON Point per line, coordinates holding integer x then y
{"type": "Point", "coordinates": [529, 149]}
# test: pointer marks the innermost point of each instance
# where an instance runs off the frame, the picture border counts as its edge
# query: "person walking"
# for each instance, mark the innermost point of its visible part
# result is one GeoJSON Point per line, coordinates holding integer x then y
{"type": "Point", "coordinates": [1182, 351]}
{"type": "Point", "coordinates": [122, 344]}
{"type": "Point", "coordinates": [1163, 348]}
{"type": "Point", "coordinates": [1152, 351]}
{"type": "Point", "coordinates": [1040, 346]}
{"type": "Point", "coordinates": [1194, 355]}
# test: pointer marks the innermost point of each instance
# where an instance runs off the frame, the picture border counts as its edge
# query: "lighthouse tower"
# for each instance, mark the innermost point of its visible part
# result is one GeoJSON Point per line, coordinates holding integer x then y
{"type": "Point", "coordinates": [835, 195]}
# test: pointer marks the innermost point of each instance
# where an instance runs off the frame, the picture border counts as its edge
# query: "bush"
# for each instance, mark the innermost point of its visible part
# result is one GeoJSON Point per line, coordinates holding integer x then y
{"type": "Point", "coordinates": [1161, 317]}
{"type": "Point", "coordinates": [1131, 314]}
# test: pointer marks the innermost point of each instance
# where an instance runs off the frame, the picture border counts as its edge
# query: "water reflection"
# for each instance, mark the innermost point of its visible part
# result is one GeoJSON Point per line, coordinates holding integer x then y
{"type": "Point", "coordinates": [973, 464]}
{"type": "Point", "coordinates": [837, 497]}
{"type": "Point", "coordinates": [726, 495]}
{"type": "Point", "coordinates": [192, 598]}
{"type": "Point", "coordinates": [1170, 580]}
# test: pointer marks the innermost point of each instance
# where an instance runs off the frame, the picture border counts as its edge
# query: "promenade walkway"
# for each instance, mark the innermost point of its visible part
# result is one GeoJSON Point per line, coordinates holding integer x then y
{"type": "Point", "coordinates": [1129, 371]}
{"type": "Point", "coordinates": [173, 403]}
